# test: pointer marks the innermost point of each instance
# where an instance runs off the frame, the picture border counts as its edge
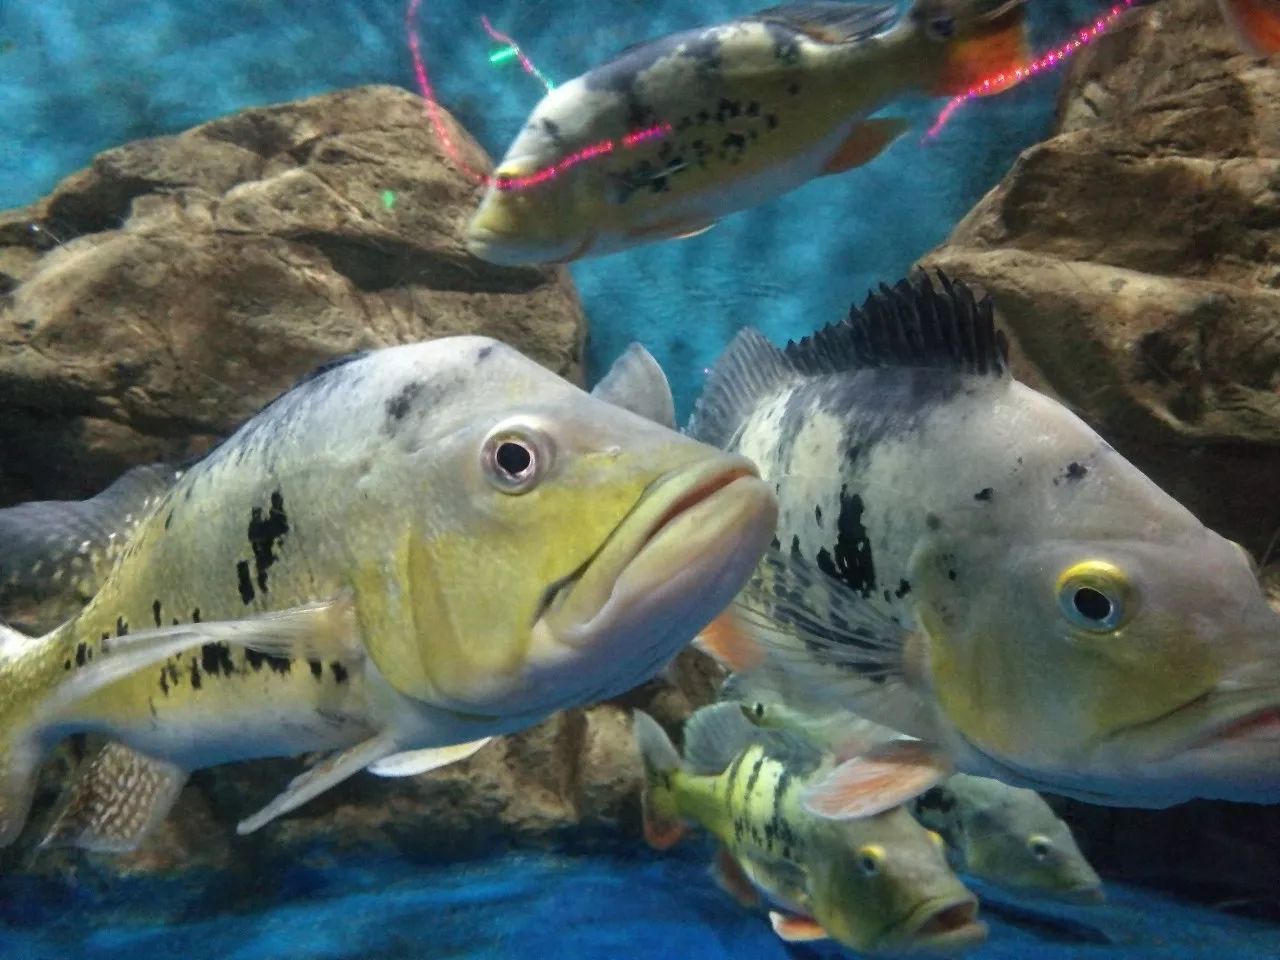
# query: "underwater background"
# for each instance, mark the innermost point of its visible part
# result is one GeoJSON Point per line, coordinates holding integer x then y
{"type": "Point", "coordinates": [76, 78]}
{"type": "Point", "coordinates": [560, 869]}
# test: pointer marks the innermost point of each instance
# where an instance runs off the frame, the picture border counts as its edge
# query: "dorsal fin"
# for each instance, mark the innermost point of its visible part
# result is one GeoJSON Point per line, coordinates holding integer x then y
{"type": "Point", "coordinates": [749, 369]}
{"type": "Point", "coordinates": [828, 21]}
{"type": "Point", "coordinates": [912, 324]}
{"type": "Point", "coordinates": [714, 736]}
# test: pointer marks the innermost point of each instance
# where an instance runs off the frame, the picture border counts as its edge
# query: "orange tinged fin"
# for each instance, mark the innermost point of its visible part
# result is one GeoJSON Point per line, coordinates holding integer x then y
{"type": "Point", "coordinates": [866, 142]}
{"type": "Point", "coordinates": [1256, 24]}
{"type": "Point", "coordinates": [1000, 57]}
{"type": "Point", "coordinates": [727, 642]}
{"type": "Point", "coordinates": [733, 880]}
{"type": "Point", "coordinates": [660, 832]}
{"type": "Point", "coordinates": [876, 781]}
{"type": "Point", "coordinates": [796, 929]}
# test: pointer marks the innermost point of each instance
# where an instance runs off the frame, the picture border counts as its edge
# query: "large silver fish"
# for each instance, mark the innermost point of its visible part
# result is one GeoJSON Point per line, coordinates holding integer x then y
{"type": "Point", "coordinates": [406, 554]}
{"type": "Point", "coordinates": [963, 559]}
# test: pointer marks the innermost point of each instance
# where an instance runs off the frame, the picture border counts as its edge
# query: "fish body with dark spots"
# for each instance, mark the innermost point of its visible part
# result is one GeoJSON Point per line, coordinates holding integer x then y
{"type": "Point", "coordinates": [324, 579]}
{"type": "Point", "coordinates": [674, 134]}
{"type": "Point", "coordinates": [877, 885]}
{"type": "Point", "coordinates": [966, 561]}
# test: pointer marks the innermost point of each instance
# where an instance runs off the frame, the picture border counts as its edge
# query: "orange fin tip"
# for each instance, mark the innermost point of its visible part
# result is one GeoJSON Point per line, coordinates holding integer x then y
{"type": "Point", "coordinates": [865, 142]}
{"type": "Point", "coordinates": [727, 642]}
{"type": "Point", "coordinates": [796, 929]}
{"type": "Point", "coordinates": [876, 781]}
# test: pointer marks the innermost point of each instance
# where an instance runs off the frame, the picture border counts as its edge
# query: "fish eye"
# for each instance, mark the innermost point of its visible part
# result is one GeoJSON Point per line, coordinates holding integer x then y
{"type": "Point", "coordinates": [1040, 846]}
{"type": "Point", "coordinates": [758, 710]}
{"type": "Point", "coordinates": [869, 860]}
{"type": "Point", "coordinates": [515, 458]}
{"type": "Point", "coordinates": [1092, 596]}
{"type": "Point", "coordinates": [942, 28]}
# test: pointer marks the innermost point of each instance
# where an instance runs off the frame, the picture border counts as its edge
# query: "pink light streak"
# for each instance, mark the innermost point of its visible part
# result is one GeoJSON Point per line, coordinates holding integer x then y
{"type": "Point", "coordinates": [1046, 62]}
{"type": "Point", "coordinates": [499, 37]}
{"type": "Point", "coordinates": [604, 147]}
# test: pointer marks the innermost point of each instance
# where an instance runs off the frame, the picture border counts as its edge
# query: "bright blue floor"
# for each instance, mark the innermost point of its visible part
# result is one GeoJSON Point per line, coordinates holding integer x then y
{"type": "Point", "coordinates": [548, 908]}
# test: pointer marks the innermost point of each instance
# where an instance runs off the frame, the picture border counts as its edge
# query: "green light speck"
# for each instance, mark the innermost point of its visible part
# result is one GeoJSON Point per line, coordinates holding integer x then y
{"type": "Point", "coordinates": [388, 199]}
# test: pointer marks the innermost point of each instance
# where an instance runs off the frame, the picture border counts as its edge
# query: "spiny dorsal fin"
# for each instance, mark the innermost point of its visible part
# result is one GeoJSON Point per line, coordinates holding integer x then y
{"type": "Point", "coordinates": [832, 22]}
{"type": "Point", "coordinates": [714, 736]}
{"type": "Point", "coordinates": [912, 324]}
{"type": "Point", "coordinates": [750, 369]}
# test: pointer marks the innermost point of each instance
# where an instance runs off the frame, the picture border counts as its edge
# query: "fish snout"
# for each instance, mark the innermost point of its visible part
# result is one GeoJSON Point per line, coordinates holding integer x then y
{"type": "Point", "coordinates": [947, 927]}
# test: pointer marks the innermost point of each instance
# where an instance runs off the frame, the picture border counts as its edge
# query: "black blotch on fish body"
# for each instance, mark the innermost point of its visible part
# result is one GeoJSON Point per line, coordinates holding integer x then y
{"type": "Point", "coordinates": [339, 672]}
{"type": "Point", "coordinates": [164, 682]}
{"type": "Point", "coordinates": [168, 519]}
{"type": "Point", "coordinates": [1075, 471]}
{"type": "Point", "coordinates": [904, 587]}
{"type": "Point", "coordinates": [398, 407]}
{"type": "Point", "coordinates": [256, 660]}
{"type": "Point", "coordinates": [317, 668]}
{"type": "Point", "coordinates": [852, 561]}
{"type": "Point", "coordinates": [985, 494]}
{"type": "Point", "coordinates": [155, 612]}
{"type": "Point", "coordinates": [937, 798]}
{"type": "Point", "coordinates": [243, 581]}
{"type": "Point", "coordinates": [122, 627]}
{"type": "Point", "coordinates": [196, 679]}
{"type": "Point", "coordinates": [82, 654]}
{"type": "Point", "coordinates": [195, 615]}
{"type": "Point", "coordinates": [215, 660]}
{"type": "Point", "coordinates": [265, 535]}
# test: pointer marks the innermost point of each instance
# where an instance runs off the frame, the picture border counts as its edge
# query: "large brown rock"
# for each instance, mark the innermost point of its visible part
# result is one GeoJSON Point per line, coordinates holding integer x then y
{"type": "Point", "coordinates": [158, 298]}
{"type": "Point", "coordinates": [1135, 260]}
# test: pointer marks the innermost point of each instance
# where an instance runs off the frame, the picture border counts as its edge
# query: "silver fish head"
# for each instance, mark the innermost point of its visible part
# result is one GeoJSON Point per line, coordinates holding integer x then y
{"type": "Point", "coordinates": [563, 550]}
{"type": "Point", "coordinates": [1011, 838]}
{"type": "Point", "coordinates": [1138, 665]}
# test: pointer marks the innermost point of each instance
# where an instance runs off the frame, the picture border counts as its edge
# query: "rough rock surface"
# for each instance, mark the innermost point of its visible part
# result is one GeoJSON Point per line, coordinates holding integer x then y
{"type": "Point", "coordinates": [156, 299]}
{"type": "Point", "coordinates": [1135, 259]}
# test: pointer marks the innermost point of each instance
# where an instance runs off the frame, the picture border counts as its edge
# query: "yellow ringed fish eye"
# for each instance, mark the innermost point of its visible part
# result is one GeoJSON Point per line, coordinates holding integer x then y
{"type": "Point", "coordinates": [516, 456]}
{"type": "Point", "coordinates": [870, 858]}
{"type": "Point", "coordinates": [1040, 846]}
{"type": "Point", "coordinates": [1094, 595]}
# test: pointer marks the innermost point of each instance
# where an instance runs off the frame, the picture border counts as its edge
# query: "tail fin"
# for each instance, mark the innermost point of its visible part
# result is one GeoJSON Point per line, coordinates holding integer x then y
{"type": "Point", "coordinates": [663, 826]}
{"type": "Point", "coordinates": [56, 553]}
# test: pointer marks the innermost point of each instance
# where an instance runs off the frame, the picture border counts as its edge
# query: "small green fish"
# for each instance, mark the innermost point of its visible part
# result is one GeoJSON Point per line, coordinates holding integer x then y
{"type": "Point", "coordinates": [411, 552]}
{"type": "Point", "coordinates": [676, 133]}
{"type": "Point", "coordinates": [878, 885]}
{"type": "Point", "coordinates": [1005, 836]}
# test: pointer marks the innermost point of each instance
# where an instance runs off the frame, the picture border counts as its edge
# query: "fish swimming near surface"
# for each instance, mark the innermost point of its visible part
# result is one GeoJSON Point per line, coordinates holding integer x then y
{"type": "Point", "coordinates": [684, 130]}
{"type": "Point", "coordinates": [1008, 837]}
{"type": "Point", "coordinates": [962, 559]}
{"type": "Point", "coordinates": [412, 551]}
{"type": "Point", "coordinates": [878, 885]}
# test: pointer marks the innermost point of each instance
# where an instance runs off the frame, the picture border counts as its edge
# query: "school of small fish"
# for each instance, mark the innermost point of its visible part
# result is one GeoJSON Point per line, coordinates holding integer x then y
{"type": "Point", "coordinates": [935, 590]}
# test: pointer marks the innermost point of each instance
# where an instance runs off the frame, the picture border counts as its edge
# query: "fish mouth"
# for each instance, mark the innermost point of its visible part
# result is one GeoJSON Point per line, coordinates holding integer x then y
{"type": "Point", "coordinates": [946, 926]}
{"type": "Point", "coordinates": [674, 562]}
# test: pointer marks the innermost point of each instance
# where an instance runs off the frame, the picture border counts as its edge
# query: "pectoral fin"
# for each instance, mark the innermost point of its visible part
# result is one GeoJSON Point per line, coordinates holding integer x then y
{"type": "Point", "coordinates": [413, 762]}
{"type": "Point", "coordinates": [327, 773]}
{"type": "Point", "coordinates": [796, 929]}
{"type": "Point", "coordinates": [115, 800]}
{"type": "Point", "coordinates": [680, 228]}
{"type": "Point", "coordinates": [727, 641]}
{"type": "Point", "coordinates": [319, 631]}
{"type": "Point", "coordinates": [866, 142]}
{"type": "Point", "coordinates": [876, 781]}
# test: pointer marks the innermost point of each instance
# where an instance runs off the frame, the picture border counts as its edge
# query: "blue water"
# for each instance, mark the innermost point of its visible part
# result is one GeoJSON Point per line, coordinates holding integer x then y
{"type": "Point", "coordinates": [540, 906]}
{"type": "Point", "coordinates": [78, 76]}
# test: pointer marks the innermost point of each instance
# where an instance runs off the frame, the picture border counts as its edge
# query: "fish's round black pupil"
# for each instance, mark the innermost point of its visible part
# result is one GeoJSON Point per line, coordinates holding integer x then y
{"type": "Point", "coordinates": [513, 459]}
{"type": "Point", "coordinates": [1092, 604]}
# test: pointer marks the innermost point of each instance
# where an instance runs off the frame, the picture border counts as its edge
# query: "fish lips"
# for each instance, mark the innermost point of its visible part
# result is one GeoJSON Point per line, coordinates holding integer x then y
{"type": "Point", "coordinates": [939, 927]}
{"type": "Point", "coordinates": [679, 557]}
